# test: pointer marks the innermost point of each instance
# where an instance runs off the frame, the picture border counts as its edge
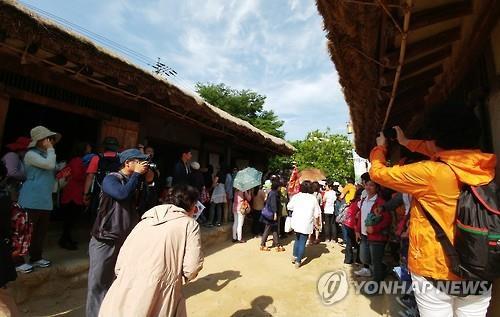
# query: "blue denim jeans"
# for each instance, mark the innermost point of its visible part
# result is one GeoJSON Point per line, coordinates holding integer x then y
{"type": "Point", "coordinates": [350, 244]}
{"type": "Point", "coordinates": [364, 251]}
{"type": "Point", "coordinates": [299, 247]}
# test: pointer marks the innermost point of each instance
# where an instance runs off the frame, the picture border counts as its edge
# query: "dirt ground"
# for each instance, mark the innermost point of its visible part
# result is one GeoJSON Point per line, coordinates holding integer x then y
{"type": "Point", "coordinates": [240, 280]}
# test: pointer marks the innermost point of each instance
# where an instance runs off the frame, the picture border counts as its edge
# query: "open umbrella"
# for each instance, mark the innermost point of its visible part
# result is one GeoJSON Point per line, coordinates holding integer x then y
{"type": "Point", "coordinates": [311, 174]}
{"type": "Point", "coordinates": [247, 178]}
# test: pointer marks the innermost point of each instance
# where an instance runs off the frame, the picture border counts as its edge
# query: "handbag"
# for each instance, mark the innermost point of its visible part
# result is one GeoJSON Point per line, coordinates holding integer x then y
{"type": "Point", "coordinates": [288, 224]}
{"type": "Point", "coordinates": [342, 215]}
{"type": "Point", "coordinates": [22, 229]}
{"type": "Point", "coordinates": [245, 207]}
{"type": "Point", "coordinates": [204, 196]}
{"type": "Point", "coordinates": [268, 213]}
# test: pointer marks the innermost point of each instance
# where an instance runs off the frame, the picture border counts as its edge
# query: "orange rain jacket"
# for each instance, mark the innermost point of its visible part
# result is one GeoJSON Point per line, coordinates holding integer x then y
{"type": "Point", "coordinates": [436, 186]}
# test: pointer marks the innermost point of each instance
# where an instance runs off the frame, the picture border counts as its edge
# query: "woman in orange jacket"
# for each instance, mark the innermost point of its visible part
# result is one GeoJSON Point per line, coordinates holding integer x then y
{"type": "Point", "coordinates": [435, 185]}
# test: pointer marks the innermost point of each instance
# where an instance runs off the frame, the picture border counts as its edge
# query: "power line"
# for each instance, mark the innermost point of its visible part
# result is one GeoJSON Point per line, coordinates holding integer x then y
{"type": "Point", "coordinates": [158, 67]}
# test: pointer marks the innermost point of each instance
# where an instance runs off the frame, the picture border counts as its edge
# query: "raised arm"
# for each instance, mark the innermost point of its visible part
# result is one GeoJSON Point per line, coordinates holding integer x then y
{"type": "Point", "coordinates": [46, 163]}
{"type": "Point", "coordinates": [412, 178]}
{"type": "Point", "coordinates": [112, 186]}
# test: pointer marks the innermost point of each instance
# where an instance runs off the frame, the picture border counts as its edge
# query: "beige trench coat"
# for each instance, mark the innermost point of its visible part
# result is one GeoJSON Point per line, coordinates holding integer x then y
{"type": "Point", "coordinates": [163, 250]}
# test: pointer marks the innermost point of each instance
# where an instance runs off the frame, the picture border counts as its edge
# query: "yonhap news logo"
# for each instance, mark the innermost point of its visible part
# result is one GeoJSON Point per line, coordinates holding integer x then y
{"type": "Point", "coordinates": [333, 287]}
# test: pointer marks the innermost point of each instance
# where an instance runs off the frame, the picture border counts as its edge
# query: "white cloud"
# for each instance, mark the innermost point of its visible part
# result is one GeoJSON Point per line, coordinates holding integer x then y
{"type": "Point", "coordinates": [294, 96]}
{"type": "Point", "coordinates": [308, 104]}
{"type": "Point", "coordinates": [276, 48]}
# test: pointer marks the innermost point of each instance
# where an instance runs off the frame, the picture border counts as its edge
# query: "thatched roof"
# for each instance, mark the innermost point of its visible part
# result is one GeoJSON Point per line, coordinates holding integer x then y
{"type": "Point", "coordinates": [348, 35]}
{"type": "Point", "coordinates": [444, 38]}
{"type": "Point", "coordinates": [100, 65]}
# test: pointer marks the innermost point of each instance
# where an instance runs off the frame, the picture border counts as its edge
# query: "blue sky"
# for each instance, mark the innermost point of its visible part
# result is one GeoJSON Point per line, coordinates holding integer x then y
{"type": "Point", "coordinates": [277, 48]}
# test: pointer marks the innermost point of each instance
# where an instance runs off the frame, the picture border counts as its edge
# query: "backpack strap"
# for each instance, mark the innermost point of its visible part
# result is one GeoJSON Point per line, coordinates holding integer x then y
{"type": "Point", "coordinates": [443, 239]}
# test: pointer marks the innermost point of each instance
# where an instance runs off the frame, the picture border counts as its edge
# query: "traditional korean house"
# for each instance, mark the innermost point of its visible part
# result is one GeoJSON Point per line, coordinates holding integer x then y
{"type": "Point", "coordinates": [398, 59]}
{"type": "Point", "coordinates": [52, 76]}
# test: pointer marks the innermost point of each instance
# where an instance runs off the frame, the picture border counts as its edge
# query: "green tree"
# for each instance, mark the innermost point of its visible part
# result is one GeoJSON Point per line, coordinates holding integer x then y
{"type": "Point", "coordinates": [244, 104]}
{"type": "Point", "coordinates": [331, 153]}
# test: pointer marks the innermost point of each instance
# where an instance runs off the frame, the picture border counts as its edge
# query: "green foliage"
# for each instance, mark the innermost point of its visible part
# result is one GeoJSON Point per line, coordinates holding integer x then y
{"type": "Point", "coordinates": [244, 104]}
{"type": "Point", "coordinates": [331, 153]}
{"type": "Point", "coordinates": [279, 163]}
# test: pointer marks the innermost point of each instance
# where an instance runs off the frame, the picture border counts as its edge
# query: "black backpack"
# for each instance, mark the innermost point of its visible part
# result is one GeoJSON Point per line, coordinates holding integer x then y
{"type": "Point", "coordinates": [107, 164]}
{"type": "Point", "coordinates": [475, 255]}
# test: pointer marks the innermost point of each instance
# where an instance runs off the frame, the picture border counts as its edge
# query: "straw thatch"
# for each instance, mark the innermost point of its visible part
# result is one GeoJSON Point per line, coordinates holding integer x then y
{"type": "Point", "coordinates": [444, 42]}
{"type": "Point", "coordinates": [352, 33]}
{"type": "Point", "coordinates": [311, 174]}
{"type": "Point", "coordinates": [20, 23]}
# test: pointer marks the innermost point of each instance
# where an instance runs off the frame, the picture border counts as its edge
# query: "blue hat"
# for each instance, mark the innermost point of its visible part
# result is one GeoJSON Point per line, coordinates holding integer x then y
{"type": "Point", "coordinates": [132, 154]}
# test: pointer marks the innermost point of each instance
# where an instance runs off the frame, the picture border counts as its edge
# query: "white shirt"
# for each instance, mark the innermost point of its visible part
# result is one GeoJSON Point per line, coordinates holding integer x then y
{"type": "Point", "coordinates": [305, 209]}
{"type": "Point", "coordinates": [364, 194]}
{"type": "Point", "coordinates": [366, 206]}
{"type": "Point", "coordinates": [330, 198]}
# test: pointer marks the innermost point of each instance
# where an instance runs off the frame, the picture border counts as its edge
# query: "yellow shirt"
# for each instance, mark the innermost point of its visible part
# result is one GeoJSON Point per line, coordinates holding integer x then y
{"type": "Point", "coordinates": [348, 192]}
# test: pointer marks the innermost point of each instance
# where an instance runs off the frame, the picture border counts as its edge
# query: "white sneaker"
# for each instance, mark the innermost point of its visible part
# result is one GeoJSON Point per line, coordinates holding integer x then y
{"type": "Point", "coordinates": [24, 268]}
{"type": "Point", "coordinates": [364, 272]}
{"type": "Point", "coordinates": [41, 263]}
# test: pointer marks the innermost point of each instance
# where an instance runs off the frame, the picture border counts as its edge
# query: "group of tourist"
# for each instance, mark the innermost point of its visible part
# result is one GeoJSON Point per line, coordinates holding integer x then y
{"type": "Point", "coordinates": [391, 214]}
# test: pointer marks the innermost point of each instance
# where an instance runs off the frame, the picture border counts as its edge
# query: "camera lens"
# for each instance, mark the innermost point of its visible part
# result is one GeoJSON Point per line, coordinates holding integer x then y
{"type": "Point", "coordinates": [390, 133]}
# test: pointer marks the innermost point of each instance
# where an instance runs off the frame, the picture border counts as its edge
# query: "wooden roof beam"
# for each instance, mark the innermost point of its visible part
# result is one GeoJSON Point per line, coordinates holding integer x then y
{"type": "Point", "coordinates": [58, 60]}
{"type": "Point", "coordinates": [417, 86]}
{"type": "Point", "coordinates": [425, 76]}
{"type": "Point", "coordinates": [3, 35]}
{"type": "Point", "coordinates": [428, 44]}
{"type": "Point", "coordinates": [416, 65]}
{"type": "Point", "coordinates": [440, 14]}
{"type": "Point", "coordinates": [411, 94]}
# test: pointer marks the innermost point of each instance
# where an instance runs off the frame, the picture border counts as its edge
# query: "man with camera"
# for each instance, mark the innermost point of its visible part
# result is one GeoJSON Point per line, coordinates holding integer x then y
{"type": "Point", "coordinates": [116, 217]}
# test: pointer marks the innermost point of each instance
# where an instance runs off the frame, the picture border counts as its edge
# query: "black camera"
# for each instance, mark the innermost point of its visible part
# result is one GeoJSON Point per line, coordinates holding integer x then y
{"type": "Point", "coordinates": [390, 133]}
{"type": "Point", "coordinates": [152, 165]}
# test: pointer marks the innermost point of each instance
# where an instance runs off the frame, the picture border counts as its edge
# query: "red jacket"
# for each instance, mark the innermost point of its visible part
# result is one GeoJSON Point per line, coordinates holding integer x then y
{"type": "Point", "coordinates": [352, 215]}
{"type": "Point", "coordinates": [385, 223]}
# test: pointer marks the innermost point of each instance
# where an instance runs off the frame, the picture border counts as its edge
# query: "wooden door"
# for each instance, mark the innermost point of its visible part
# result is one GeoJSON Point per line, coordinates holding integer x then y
{"type": "Point", "coordinates": [126, 131]}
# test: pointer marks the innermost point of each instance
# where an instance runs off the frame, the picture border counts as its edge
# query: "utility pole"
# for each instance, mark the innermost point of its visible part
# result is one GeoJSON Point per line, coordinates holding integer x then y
{"type": "Point", "coordinates": [162, 69]}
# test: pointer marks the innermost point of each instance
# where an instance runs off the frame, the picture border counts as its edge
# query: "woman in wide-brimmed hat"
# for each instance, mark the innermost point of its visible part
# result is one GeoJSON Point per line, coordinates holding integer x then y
{"type": "Point", "coordinates": [13, 161]}
{"type": "Point", "coordinates": [36, 193]}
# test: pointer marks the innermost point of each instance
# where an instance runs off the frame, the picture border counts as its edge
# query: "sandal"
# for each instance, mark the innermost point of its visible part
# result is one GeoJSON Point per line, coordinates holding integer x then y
{"type": "Point", "coordinates": [264, 248]}
{"type": "Point", "coordinates": [280, 249]}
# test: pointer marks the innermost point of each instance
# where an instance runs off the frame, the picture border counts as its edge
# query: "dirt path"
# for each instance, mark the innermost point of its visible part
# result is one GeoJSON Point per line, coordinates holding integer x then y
{"type": "Point", "coordinates": [240, 280]}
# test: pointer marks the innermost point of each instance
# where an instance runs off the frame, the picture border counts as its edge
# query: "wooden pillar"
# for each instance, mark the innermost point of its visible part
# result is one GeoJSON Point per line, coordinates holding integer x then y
{"type": "Point", "coordinates": [4, 108]}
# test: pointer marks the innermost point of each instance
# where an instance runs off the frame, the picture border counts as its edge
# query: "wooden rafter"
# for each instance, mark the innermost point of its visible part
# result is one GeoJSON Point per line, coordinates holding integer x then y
{"type": "Point", "coordinates": [426, 45]}
{"type": "Point", "coordinates": [421, 77]}
{"type": "Point", "coordinates": [59, 60]}
{"type": "Point", "coordinates": [418, 64]}
{"type": "Point", "coordinates": [440, 14]}
{"type": "Point", "coordinates": [404, 89]}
